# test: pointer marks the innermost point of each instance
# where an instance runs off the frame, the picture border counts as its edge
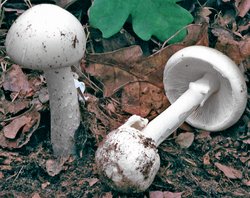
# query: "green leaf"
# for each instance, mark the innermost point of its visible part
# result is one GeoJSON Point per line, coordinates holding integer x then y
{"type": "Point", "coordinates": [159, 18]}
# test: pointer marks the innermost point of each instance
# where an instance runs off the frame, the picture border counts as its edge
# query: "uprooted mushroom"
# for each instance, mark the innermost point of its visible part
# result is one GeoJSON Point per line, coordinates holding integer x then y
{"type": "Point", "coordinates": [206, 89]}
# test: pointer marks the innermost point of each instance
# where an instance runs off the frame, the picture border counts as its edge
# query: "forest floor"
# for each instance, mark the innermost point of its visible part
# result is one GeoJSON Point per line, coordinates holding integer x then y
{"type": "Point", "coordinates": [202, 164]}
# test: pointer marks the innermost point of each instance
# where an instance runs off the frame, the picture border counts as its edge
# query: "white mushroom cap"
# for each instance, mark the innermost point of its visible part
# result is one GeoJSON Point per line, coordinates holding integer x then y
{"type": "Point", "coordinates": [127, 160]}
{"type": "Point", "coordinates": [46, 36]}
{"type": "Point", "coordinates": [223, 108]}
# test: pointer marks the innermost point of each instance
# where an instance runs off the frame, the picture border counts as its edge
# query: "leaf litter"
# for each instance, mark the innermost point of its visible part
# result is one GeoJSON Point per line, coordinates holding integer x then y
{"type": "Point", "coordinates": [121, 83]}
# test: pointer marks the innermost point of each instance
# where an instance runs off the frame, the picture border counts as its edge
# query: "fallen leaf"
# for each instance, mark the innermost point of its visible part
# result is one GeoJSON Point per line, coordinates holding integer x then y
{"type": "Point", "coordinates": [203, 15]}
{"type": "Point", "coordinates": [10, 131]}
{"type": "Point", "coordinates": [185, 140]}
{"type": "Point", "coordinates": [36, 195]}
{"type": "Point", "coordinates": [141, 98]}
{"type": "Point", "coordinates": [104, 66]}
{"type": "Point", "coordinates": [45, 185]}
{"type": "Point", "coordinates": [10, 109]}
{"type": "Point", "coordinates": [203, 135]}
{"type": "Point", "coordinates": [197, 35]}
{"type": "Point", "coordinates": [229, 171]}
{"type": "Point", "coordinates": [1, 175]}
{"type": "Point", "coordinates": [24, 125]}
{"type": "Point", "coordinates": [16, 81]}
{"type": "Point", "coordinates": [55, 166]}
{"type": "Point", "coordinates": [107, 195]}
{"type": "Point", "coordinates": [133, 79]}
{"type": "Point", "coordinates": [100, 121]}
{"type": "Point", "coordinates": [244, 159]}
{"type": "Point", "coordinates": [206, 159]}
{"type": "Point", "coordinates": [247, 183]}
{"type": "Point", "coordinates": [243, 8]}
{"type": "Point", "coordinates": [14, 107]}
{"type": "Point", "coordinates": [236, 50]}
{"type": "Point", "coordinates": [247, 141]}
{"type": "Point", "coordinates": [138, 80]}
{"type": "Point", "coordinates": [218, 155]}
{"type": "Point", "coordinates": [227, 19]}
{"type": "Point", "coordinates": [164, 194]}
{"type": "Point", "coordinates": [92, 181]}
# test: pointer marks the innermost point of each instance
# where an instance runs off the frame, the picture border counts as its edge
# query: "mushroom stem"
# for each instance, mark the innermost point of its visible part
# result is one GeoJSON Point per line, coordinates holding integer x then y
{"type": "Point", "coordinates": [169, 120]}
{"type": "Point", "coordinates": [64, 110]}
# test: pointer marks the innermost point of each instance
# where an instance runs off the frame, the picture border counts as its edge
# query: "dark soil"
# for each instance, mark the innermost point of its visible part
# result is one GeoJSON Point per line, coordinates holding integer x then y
{"type": "Point", "coordinates": [192, 171]}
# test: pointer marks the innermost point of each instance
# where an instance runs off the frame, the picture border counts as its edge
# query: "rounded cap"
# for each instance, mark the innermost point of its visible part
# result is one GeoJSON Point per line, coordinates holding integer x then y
{"type": "Point", "coordinates": [46, 36]}
{"type": "Point", "coordinates": [127, 161]}
{"type": "Point", "coordinates": [223, 108]}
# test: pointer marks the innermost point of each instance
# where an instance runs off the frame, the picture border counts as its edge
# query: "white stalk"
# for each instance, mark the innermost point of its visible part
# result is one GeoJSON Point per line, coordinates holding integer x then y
{"type": "Point", "coordinates": [169, 120]}
{"type": "Point", "coordinates": [64, 110]}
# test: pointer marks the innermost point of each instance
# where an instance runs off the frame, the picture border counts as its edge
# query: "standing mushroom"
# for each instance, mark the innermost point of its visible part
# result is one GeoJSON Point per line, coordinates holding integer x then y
{"type": "Point", "coordinates": [49, 38]}
{"type": "Point", "coordinates": [205, 88]}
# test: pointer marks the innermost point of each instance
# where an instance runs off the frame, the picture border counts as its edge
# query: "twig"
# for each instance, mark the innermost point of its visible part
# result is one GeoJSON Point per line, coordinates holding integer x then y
{"type": "Point", "coordinates": [28, 3]}
{"type": "Point", "coordinates": [19, 173]}
{"type": "Point", "coordinates": [174, 35]}
{"type": "Point", "coordinates": [16, 175]}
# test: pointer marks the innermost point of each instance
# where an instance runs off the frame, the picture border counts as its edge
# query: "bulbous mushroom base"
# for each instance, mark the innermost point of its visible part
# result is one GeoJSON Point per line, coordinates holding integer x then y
{"type": "Point", "coordinates": [127, 161]}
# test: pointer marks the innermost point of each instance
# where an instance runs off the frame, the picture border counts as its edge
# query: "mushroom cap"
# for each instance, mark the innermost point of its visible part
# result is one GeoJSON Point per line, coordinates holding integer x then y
{"type": "Point", "coordinates": [223, 108]}
{"type": "Point", "coordinates": [46, 36]}
{"type": "Point", "coordinates": [127, 161]}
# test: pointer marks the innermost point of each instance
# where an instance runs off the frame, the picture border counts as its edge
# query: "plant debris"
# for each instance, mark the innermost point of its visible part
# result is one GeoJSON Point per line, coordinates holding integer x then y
{"type": "Point", "coordinates": [123, 76]}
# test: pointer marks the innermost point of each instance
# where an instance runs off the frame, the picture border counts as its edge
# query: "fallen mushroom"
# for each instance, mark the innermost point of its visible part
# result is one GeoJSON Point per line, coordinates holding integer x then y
{"type": "Point", "coordinates": [49, 38]}
{"type": "Point", "coordinates": [206, 89]}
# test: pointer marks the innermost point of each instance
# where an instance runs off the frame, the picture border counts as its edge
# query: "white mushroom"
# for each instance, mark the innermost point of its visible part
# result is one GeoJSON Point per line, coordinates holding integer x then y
{"type": "Point", "coordinates": [205, 88]}
{"type": "Point", "coordinates": [49, 38]}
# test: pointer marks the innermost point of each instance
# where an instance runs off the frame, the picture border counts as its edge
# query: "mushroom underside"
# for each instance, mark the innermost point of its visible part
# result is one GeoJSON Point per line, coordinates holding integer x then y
{"type": "Point", "coordinates": [223, 108]}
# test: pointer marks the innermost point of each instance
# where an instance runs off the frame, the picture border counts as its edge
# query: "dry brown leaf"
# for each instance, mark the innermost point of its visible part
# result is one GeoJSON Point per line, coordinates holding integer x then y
{"type": "Point", "coordinates": [227, 19]}
{"type": "Point", "coordinates": [206, 159]}
{"type": "Point", "coordinates": [24, 125]}
{"type": "Point", "coordinates": [203, 15]}
{"type": "Point", "coordinates": [247, 183]}
{"type": "Point", "coordinates": [107, 195]}
{"type": "Point", "coordinates": [185, 140]}
{"type": "Point", "coordinates": [92, 181]}
{"type": "Point", "coordinates": [98, 120]}
{"type": "Point", "coordinates": [197, 35]}
{"type": "Point", "coordinates": [247, 141]}
{"type": "Point", "coordinates": [1, 175]}
{"type": "Point", "coordinates": [164, 194]}
{"type": "Point", "coordinates": [55, 166]}
{"type": "Point", "coordinates": [35, 195]}
{"type": "Point", "coordinates": [15, 107]}
{"type": "Point", "coordinates": [243, 8]}
{"type": "Point", "coordinates": [236, 50]}
{"type": "Point", "coordinates": [229, 171]}
{"type": "Point", "coordinates": [139, 79]}
{"type": "Point", "coordinates": [16, 81]}
{"type": "Point", "coordinates": [203, 135]}
{"type": "Point", "coordinates": [141, 98]}
{"type": "Point", "coordinates": [8, 109]}
{"type": "Point", "coordinates": [10, 131]}
{"type": "Point", "coordinates": [45, 185]}
{"type": "Point", "coordinates": [134, 79]}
